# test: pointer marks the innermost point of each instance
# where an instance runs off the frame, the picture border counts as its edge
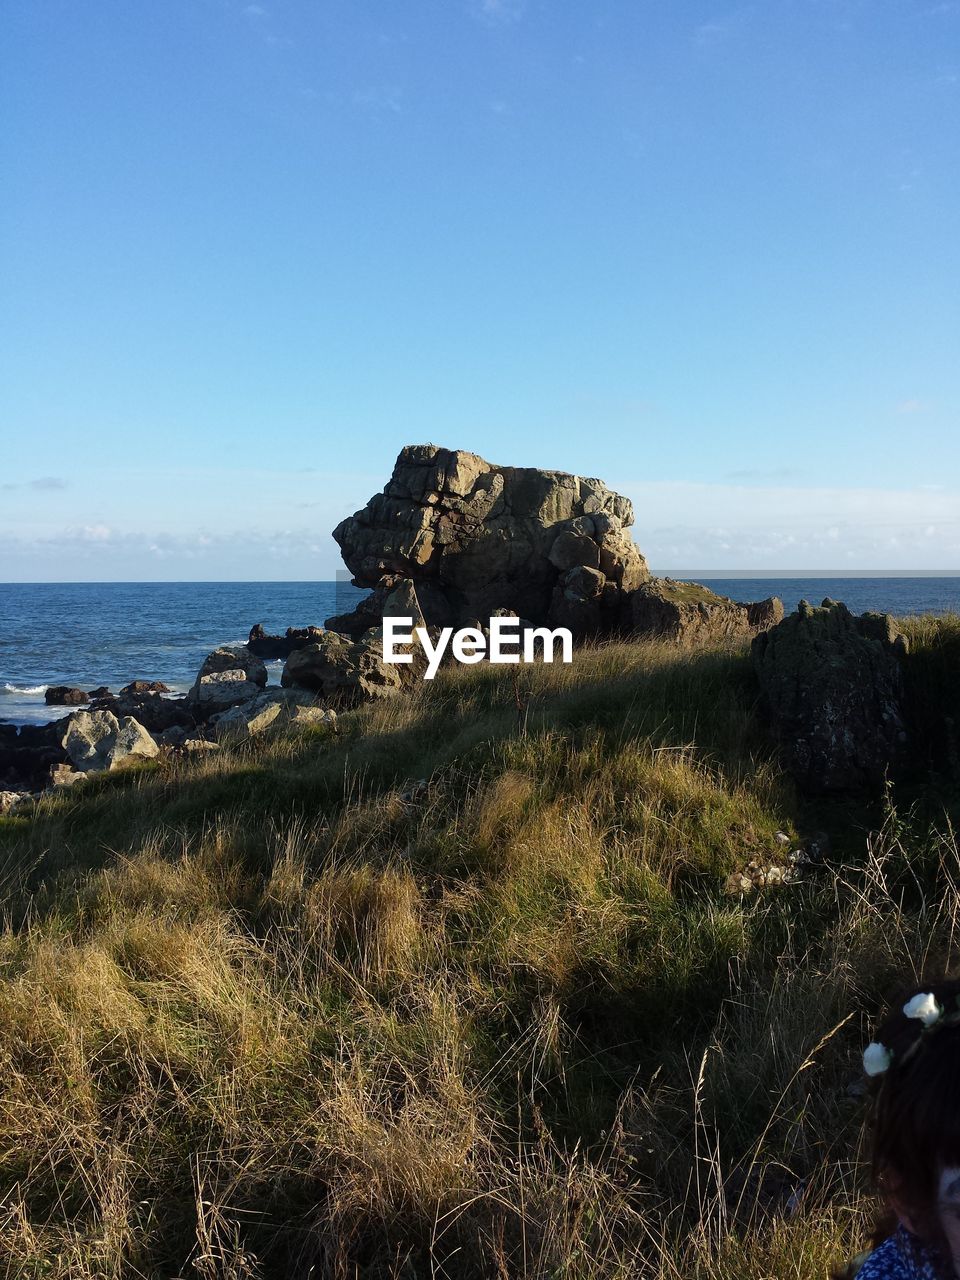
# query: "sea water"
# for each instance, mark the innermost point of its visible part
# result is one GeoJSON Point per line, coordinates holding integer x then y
{"type": "Point", "coordinates": [92, 634]}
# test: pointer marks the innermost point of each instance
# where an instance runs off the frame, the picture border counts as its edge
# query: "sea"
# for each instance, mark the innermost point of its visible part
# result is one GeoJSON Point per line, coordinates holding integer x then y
{"type": "Point", "coordinates": [91, 634]}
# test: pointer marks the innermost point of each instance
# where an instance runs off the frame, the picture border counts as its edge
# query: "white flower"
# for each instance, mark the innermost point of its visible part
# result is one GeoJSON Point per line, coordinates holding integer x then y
{"type": "Point", "coordinates": [923, 1006]}
{"type": "Point", "coordinates": [876, 1058]}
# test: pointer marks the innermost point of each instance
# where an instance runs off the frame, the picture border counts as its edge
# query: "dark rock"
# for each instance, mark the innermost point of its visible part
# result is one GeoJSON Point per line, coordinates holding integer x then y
{"type": "Point", "coordinates": [264, 645]}
{"type": "Point", "coordinates": [692, 614]}
{"type": "Point", "coordinates": [63, 695]}
{"type": "Point", "coordinates": [143, 686]}
{"type": "Point", "coordinates": [833, 685]}
{"type": "Point", "coordinates": [102, 692]}
{"type": "Point", "coordinates": [27, 756]}
{"type": "Point", "coordinates": [154, 711]}
{"type": "Point", "coordinates": [474, 537]}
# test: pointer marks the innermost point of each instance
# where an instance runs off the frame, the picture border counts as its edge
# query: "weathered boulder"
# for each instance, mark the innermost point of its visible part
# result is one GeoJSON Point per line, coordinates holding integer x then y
{"type": "Point", "coordinates": [96, 740]}
{"type": "Point", "coordinates": [64, 695]}
{"type": "Point", "coordinates": [268, 646]}
{"type": "Point", "coordinates": [272, 709]}
{"type": "Point", "coordinates": [235, 657]}
{"type": "Point", "coordinates": [692, 614]}
{"type": "Point", "coordinates": [143, 686]}
{"type": "Point", "coordinates": [10, 799]}
{"type": "Point", "coordinates": [312, 717]}
{"type": "Point", "coordinates": [343, 672]}
{"type": "Point", "coordinates": [474, 537]}
{"type": "Point", "coordinates": [64, 775]}
{"type": "Point", "coordinates": [833, 685]}
{"type": "Point", "coordinates": [219, 690]}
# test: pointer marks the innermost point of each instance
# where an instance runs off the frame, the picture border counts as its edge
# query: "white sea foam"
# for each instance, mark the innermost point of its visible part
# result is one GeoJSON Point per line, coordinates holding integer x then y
{"type": "Point", "coordinates": [21, 690]}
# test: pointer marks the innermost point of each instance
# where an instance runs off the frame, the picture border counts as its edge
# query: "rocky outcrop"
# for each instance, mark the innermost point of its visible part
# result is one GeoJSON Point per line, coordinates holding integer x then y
{"type": "Point", "coordinates": [97, 740]}
{"type": "Point", "coordinates": [833, 686]}
{"type": "Point", "coordinates": [219, 690]}
{"type": "Point", "coordinates": [63, 695]}
{"type": "Point", "coordinates": [345, 673]}
{"type": "Point", "coordinates": [235, 657]}
{"type": "Point", "coordinates": [272, 709]}
{"type": "Point", "coordinates": [143, 686]}
{"type": "Point", "coordinates": [474, 537]}
{"type": "Point", "coordinates": [692, 614]}
{"type": "Point", "coordinates": [230, 675]}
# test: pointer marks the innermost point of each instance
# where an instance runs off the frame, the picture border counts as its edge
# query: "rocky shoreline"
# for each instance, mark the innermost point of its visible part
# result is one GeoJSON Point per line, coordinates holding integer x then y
{"type": "Point", "coordinates": [453, 540]}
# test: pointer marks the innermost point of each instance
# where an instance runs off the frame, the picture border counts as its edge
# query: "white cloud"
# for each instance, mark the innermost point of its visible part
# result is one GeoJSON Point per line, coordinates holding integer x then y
{"type": "Point", "coordinates": [43, 484]}
{"type": "Point", "coordinates": [729, 526]}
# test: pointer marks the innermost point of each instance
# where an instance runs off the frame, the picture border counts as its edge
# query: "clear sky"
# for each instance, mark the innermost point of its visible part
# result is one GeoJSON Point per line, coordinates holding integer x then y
{"type": "Point", "coordinates": [708, 252]}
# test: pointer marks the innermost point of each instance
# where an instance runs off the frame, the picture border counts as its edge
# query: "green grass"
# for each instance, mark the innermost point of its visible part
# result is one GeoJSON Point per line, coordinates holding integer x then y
{"type": "Point", "coordinates": [285, 1012]}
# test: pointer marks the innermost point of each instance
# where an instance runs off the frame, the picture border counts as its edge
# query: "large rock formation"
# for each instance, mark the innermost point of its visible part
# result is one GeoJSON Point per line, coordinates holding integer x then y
{"type": "Point", "coordinates": [475, 537]}
{"type": "Point", "coordinates": [833, 685]}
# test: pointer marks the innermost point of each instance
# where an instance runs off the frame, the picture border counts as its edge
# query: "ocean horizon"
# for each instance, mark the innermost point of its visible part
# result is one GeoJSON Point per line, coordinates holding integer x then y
{"type": "Point", "coordinates": [108, 633]}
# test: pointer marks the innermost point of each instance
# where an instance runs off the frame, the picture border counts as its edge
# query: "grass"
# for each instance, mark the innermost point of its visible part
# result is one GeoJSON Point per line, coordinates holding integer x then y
{"type": "Point", "coordinates": [457, 991]}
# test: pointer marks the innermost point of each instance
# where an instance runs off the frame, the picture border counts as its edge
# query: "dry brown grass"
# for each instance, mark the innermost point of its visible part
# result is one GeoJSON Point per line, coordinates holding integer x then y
{"type": "Point", "coordinates": [282, 1013]}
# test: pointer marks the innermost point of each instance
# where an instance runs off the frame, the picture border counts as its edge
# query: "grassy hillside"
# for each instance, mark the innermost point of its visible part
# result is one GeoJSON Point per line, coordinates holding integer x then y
{"type": "Point", "coordinates": [459, 991]}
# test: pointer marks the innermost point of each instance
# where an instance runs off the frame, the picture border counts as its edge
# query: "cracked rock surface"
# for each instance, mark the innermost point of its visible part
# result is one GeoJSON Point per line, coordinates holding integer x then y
{"type": "Point", "coordinates": [474, 537]}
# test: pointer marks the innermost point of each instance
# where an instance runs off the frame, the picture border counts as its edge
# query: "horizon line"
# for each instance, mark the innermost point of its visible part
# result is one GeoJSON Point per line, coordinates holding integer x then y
{"type": "Point", "coordinates": [676, 574]}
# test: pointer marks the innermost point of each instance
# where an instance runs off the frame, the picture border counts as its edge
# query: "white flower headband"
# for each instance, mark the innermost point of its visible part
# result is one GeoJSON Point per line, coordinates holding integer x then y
{"type": "Point", "coordinates": [929, 1012]}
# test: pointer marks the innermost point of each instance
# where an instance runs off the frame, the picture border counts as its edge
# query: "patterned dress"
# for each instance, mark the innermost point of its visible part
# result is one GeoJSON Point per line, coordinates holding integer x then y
{"type": "Point", "coordinates": [902, 1257]}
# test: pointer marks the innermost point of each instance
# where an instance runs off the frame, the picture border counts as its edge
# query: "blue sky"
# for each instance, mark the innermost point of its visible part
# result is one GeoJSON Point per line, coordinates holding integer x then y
{"type": "Point", "coordinates": [705, 251]}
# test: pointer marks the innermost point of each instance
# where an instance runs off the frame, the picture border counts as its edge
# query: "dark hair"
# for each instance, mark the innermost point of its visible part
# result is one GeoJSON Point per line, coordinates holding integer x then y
{"type": "Point", "coordinates": [915, 1115]}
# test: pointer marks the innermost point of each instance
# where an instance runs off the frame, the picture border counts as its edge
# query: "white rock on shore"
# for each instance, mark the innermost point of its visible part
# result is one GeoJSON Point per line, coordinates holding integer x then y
{"type": "Point", "coordinates": [97, 740]}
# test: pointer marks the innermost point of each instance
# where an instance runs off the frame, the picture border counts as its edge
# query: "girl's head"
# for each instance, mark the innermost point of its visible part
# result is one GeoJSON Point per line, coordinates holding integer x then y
{"type": "Point", "coordinates": [916, 1113]}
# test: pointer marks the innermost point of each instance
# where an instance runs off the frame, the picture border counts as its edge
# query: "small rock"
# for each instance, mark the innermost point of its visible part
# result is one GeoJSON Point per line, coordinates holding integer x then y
{"type": "Point", "coordinates": [9, 800]}
{"type": "Point", "coordinates": [308, 716]}
{"type": "Point", "coordinates": [198, 746]}
{"type": "Point", "coordinates": [415, 792]}
{"type": "Point", "coordinates": [64, 775]}
{"type": "Point", "coordinates": [144, 686]}
{"type": "Point", "coordinates": [782, 838]}
{"type": "Point", "coordinates": [245, 721]}
{"type": "Point", "coordinates": [63, 695]}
